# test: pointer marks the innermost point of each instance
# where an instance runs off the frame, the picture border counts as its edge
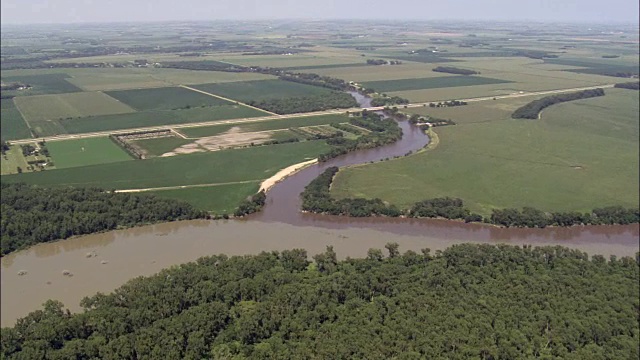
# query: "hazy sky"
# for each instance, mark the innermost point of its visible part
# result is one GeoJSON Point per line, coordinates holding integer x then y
{"type": "Point", "coordinates": [68, 11]}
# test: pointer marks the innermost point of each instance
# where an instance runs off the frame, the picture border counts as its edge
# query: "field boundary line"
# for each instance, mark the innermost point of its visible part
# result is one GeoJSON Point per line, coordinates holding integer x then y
{"type": "Point", "coordinates": [178, 187]}
{"type": "Point", "coordinates": [224, 98]}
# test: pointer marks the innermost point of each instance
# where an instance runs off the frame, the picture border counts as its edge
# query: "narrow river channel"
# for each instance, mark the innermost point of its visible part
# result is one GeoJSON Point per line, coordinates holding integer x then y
{"type": "Point", "coordinates": [102, 262]}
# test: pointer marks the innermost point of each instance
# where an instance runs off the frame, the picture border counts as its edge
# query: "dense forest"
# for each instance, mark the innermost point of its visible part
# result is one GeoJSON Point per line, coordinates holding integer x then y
{"type": "Point", "coordinates": [332, 100]}
{"type": "Point", "coordinates": [454, 70]}
{"type": "Point", "coordinates": [316, 198]}
{"type": "Point", "coordinates": [635, 85]}
{"type": "Point", "coordinates": [532, 109]}
{"type": "Point", "coordinates": [32, 214]}
{"type": "Point", "coordinates": [466, 302]}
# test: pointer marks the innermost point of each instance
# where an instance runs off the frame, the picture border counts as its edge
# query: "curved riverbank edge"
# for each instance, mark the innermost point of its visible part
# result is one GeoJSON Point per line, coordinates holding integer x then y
{"type": "Point", "coordinates": [284, 173]}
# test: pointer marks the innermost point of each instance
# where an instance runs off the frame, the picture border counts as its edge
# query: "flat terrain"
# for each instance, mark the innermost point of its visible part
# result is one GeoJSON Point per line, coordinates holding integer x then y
{"type": "Point", "coordinates": [247, 91]}
{"type": "Point", "coordinates": [12, 123]}
{"type": "Point", "coordinates": [62, 106]}
{"type": "Point", "coordinates": [43, 83]}
{"type": "Point", "coordinates": [564, 161]}
{"type": "Point", "coordinates": [159, 146]}
{"type": "Point", "coordinates": [167, 98]}
{"type": "Point", "coordinates": [84, 152]}
{"type": "Point", "coordinates": [218, 199]}
{"type": "Point", "coordinates": [264, 125]}
{"type": "Point", "coordinates": [430, 83]}
{"type": "Point", "coordinates": [254, 163]}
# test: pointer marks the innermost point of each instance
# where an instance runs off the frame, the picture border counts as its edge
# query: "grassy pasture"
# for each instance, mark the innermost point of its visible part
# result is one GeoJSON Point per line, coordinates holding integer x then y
{"type": "Point", "coordinates": [159, 146]}
{"type": "Point", "coordinates": [47, 83]}
{"type": "Point", "coordinates": [166, 98]}
{"type": "Point", "coordinates": [62, 106]}
{"type": "Point", "coordinates": [261, 90]}
{"type": "Point", "coordinates": [156, 118]}
{"type": "Point", "coordinates": [212, 130]}
{"type": "Point", "coordinates": [562, 162]}
{"type": "Point", "coordinates": [83, 152]}
{"type": "Point", "coordinates": [430, 83]}
{"type": "Point", "coordinates": [217, 199]}
{"type": "Point", "coordinates": [254, 163]}
{"type": "Point", "coordinates": [12, 124]}
{"type": "Point", "coordinates": [13, 159]}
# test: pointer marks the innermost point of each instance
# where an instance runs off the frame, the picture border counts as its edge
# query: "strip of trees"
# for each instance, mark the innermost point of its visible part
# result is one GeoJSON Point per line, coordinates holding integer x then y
{"type": "Point", "coordinates": [32, 214]}
{"type": "Point", "coordinates": [388, 100]}
{"type": "Point", "coordinates": [532, 109]}
{"type": "Point", "coordinates": [251, 205]}
{"type": "Point", "coordinates": [317, 198]}
{"type": "Point", "coordinates": [634, 85]}
{"type": "Point", "coordinates": [454, 70]}
{"type": "Point", "coordinates": [470, 301]}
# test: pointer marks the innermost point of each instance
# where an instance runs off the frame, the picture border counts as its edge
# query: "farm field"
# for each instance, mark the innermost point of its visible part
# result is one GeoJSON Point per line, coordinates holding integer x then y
{"type": "Point", "coordinates": [254, 163]}
{"type": "Point", "coordinates": [46, 83]}
{"type": "Point", "coordinates": [562, 162]}
{"type": "Point", "coordinates": [154, 118]}
{"type": "Point", "coordinates": [196, 132]}
{"type": "Point", "coordinates": [430, 83]}
{"type": "Point", "coordinates": [219, 199]}
{"type": "Point", "coordinates": [247, 91]}
{"type": "Point", "coordinates": [159, 146]}
{"type": "Point", "coordinates": [167, 98]}
{"type": "Point", "coordinates": [12, 160]}
{"type": "Point", "coordinates": [136, 78]}
{"type": "Point", "coordinates": [83, 152]}
{"type": "Point", "coordinates": [380, 73]}
{"type": "Point", "coordinates": [62, 106]}
{"type": "Point", "coordinates": [12, 124]}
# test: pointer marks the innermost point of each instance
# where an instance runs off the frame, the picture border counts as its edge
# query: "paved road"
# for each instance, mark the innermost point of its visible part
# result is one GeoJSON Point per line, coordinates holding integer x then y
{"type": "Point", "coordinates": [275, 117]}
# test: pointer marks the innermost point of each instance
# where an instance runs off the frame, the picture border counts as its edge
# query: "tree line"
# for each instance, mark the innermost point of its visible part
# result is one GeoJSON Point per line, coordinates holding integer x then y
{"type": "Point", "coordinates": [454, 70]}
{"type": "Point", "coordinates": [634, 85]}
{"type": "Point", "coordinates": [33, 214]}
{"type": "Point", "coordinates": [532, 109]}
{"type": "Point", "coordinates": [317, 198]}
{"type": "Point", "coordinates": [469, 301]}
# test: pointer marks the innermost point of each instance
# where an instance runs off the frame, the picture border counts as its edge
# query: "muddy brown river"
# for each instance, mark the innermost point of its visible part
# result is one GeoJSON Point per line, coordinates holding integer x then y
{"type": "Point", "coordinates": [102, 262]}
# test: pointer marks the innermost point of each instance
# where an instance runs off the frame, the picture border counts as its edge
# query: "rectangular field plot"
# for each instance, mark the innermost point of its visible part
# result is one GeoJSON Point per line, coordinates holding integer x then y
{"type": "Point", "coordinates": [247, 91]}
{"type": "Point", "coordinates": [159, 146]}
{"type": "Point", "coordinates": [55, 83]}
{"type": "Point", "coordinates": [82, 152]}
{"type": "Point", "coordinates": [196, 132]}
{"type": "Point", "coordinates": [431, 83]}
{"type": "Point", "coordinates": [62, 106]}
{"type": "Point", "coordinates": [218, 199]}
{"type": "Point", "coordinates": [167, 98]}
{"type": "Point", "coordinates": [254, 163]}
{"type": "Point", "coordinates": [12, 125]}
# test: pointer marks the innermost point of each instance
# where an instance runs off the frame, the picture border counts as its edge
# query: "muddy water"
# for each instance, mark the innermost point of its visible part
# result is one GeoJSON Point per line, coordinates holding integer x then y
{"type": "Point", "coordinates": [125, 254]}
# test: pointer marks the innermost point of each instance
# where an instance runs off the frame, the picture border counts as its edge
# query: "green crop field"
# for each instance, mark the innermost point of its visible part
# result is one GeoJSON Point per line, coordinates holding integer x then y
{"type": "Point", "coordinates": [196, 132]}
{"type": "Point", "coordinates": [62, 106]}
{"type": "Point", "coordinates": [217, 199]}
{"type": "Point", "coordinates": [83, 152]}
{"type": "Point", "coordinates": [159, 146]}
{"type": "Point", "coordinates": [431, 83]}
{"type": "Point", "coordinates": [562, 162]}
{"type": "Point", "coordinates": [167, 98]}
{"type": "Point", "coordinates": [154, 118]}
{"type": "Point", "coordinates": [12, 125]}
{"type": "Point", "coordinates": [47, 83]}
{"type": "Point", "coordinates": [254, 163]}
{"type": "Point", "coordinates": [137, 78]}
{"type": "Point", "coordinates": [261, 90]}
{"type": "Point", "coordinates": [378, 73]}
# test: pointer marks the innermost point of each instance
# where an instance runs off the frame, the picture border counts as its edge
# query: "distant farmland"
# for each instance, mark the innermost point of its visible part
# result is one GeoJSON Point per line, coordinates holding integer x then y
{"type": "Point", "coordinates": [259, 90]}
{"type": "Point", "coordinates": [55, 83]}
{"type": "Point", "coordinates": [12, 124]}
{"type": "Point", "coordinates": [62, 106]}
{"type": "Point", "coordinates": [430, 83]}
{"type": "Point", "coordinates": [166, 98]}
